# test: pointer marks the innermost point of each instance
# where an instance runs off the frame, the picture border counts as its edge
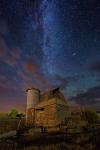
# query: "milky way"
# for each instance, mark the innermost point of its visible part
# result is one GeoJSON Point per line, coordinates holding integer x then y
{"type": "Point", "coordinates": [50, 27]}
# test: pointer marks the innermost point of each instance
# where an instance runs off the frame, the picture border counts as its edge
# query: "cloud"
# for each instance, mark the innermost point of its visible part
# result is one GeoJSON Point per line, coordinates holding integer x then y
{"type": "Point", "coordinates": [23, 76]}
{"type": "Point", "coordinates": [62, 81]}
{"type": "Point", "coordinates": [3, 27]}
{"type": "Point", "coordinates": [15, 53]}
{"type": "Point", "coordinates": [8, 55]}
{"type": "Point", "coordinates": [10, 60]}
{"type": "Point", "coordinates": [2, 78]}
{"type": "Point", "coordinates": [32, 75]}
{"type": "Point", "coordinates": [95, 67]}
{"type": "Point", "coordinates": [7, 84]}
{"type": "Point", "coordinates": [3, 48]}
{"type": "Point", "coordinates": [34, 69]}
{"type": "Point", "coordinates": [91, 96]}
{"type": "Point", "coordinates": [11, 94]}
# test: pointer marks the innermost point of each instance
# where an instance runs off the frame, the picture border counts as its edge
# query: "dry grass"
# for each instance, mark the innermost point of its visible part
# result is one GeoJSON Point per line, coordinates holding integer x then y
{"type": "Point", "coordinates": [83, 141]}
{"type": "Point", "coordinates": [8, 124]}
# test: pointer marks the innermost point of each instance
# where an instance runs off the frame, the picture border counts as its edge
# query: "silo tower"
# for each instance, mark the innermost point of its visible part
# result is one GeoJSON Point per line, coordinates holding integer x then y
{"type": "Point", "coordinates": [33, 96]}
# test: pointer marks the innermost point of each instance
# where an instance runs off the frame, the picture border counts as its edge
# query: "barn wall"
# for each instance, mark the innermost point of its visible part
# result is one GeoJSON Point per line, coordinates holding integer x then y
{"type": "Point", "coordinates": [48, 113]}
{"type": "Point", "coordinates": [62, 112]}
{"type": "Point", "coordinates": [48, 116]}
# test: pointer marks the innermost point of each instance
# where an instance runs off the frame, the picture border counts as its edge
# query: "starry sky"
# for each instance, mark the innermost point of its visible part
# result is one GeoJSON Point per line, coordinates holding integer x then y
{"type": "Point", "coordinates": [48, 44]}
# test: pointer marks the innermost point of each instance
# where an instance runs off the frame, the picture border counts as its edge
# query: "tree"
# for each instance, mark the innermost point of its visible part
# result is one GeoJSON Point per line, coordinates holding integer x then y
{"type": "Point", "coordinates": [90, 116]}
{"type": "Point", "coordinates": [20, 115]}
{"type": "Point", "coordinates": [13, 113]}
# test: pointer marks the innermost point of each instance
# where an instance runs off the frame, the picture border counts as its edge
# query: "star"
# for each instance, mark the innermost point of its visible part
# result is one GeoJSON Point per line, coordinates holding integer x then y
{"type": "Point", "coordinates": [74, 54]}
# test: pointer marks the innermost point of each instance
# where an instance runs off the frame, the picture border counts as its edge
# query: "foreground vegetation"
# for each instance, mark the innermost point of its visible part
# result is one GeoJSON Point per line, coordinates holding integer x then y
{"type": "Point", "coordinates": [85, 140]}
{"type": "Point", "coordinates": [83, 133]}
{"type": "Point", "coordinates": [9, 121]}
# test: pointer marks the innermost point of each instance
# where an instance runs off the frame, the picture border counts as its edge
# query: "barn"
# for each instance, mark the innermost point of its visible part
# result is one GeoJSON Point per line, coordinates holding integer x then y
{"type": "Point", "coordinates": [48, 109]}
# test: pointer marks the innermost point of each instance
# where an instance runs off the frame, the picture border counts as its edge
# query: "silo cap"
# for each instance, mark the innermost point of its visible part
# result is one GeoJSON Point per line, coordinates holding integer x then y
{"type": "Point", "coordinates": [32, 88]}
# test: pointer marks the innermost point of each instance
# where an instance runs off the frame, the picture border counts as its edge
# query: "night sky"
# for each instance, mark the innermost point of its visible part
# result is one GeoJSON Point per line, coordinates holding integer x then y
{"type": "Point", "coordinates": [48, 44]}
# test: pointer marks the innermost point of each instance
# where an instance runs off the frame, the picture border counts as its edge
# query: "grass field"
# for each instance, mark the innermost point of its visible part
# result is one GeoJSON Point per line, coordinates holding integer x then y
{"type": "Point", "coordinates": [8, 124]}
{"type": "Point", "coordinates": [84, 141]}
{"type": "Point", "coordinates": [88, 139]}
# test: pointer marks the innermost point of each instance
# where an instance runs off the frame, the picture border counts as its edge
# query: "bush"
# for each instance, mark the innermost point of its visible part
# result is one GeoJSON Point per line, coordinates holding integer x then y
{"type": "Point", "coordinates": [90, 116]}
{"type": "Point", "coordinates": [13, 113]}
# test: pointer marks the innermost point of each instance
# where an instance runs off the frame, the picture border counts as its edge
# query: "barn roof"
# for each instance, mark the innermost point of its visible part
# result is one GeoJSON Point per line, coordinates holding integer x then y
{"type": "Point", "coordinates": [51, 94]}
